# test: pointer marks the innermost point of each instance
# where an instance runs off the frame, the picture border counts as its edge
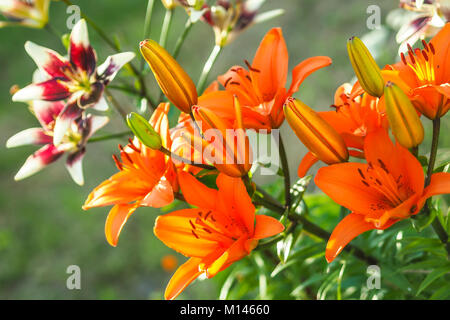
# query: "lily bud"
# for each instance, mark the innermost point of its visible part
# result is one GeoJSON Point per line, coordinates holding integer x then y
{"type": "Point", "coordinates": [144, 131]}
{"type": "Point", "coordinates": [365, 67]}
{"type": "Point", "coordinates": [174, 82]}
{"type": "Point", "coordinates": [315, 133]}
{"type": "Point", "coordinates": [224, 144]}
{"type": "Point", "coordinates": [403, 118]}
{"type": "Point", "coordinates": [170, 4]}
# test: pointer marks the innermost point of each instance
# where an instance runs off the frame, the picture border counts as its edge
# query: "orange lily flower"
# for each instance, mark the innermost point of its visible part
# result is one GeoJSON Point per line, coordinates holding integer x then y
{"type": "Point", "coordinates": [220, 231]}
{"type": "Point", "coordinates": [261, 89]}
{"type": "Point", "coordinates": [356, 114]}
{"type": "Point", "coordinates": [425, 75]}
{"type": "Point", "coordinates": [146, 178]}
{"type": "Point", "coordinates": [389, 188]}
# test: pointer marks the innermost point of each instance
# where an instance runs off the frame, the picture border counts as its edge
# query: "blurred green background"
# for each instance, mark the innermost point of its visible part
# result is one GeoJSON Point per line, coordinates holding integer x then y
{"type": "Point", "coordinates": [43, 229]}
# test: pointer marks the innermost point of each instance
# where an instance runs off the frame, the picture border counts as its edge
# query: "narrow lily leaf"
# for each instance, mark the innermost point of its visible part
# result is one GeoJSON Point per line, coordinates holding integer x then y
{"type": "Point", "coordinates": [433, 276]}
{"type": "Point", "coordinates": [269, 15]}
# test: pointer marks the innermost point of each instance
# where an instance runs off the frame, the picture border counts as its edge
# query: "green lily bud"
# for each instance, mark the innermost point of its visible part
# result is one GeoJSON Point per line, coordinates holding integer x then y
{"type": "Point", "coordinates": [403, 118]}
{"type": "Point", "coordinates": [144, 131]}
{"type": "Point", "coordinates": [365, 67]}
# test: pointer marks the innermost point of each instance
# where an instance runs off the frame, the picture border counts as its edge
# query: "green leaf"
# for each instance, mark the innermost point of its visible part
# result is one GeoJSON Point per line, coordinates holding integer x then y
{"type": "Point", "coordinates": [311, 280]}
{"type": "Point", "coordinates": [297, 192]}
{"type": "Point", "coordinates": [65, 39]}
{"type": "Point", "coordinates": [431, 277]}
{"type": "Point", "coordinates": [284, 247]}
{"type": "Point", "coordinates": [442, 160]}
{"type": "Point", "coordinates": [423, 220]}
{"type": "Point", "coordinates": [441, 293]}
{"type": "Point", "coordinates": [261, 276]}
{"type": "Point", "coordinates": [226, 287]}
{"type": "Point", "coordinates": [283, 266]}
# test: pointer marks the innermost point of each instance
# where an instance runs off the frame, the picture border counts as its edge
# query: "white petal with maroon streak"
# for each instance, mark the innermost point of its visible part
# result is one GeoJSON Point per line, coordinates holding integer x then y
{"type": "Point", "coordinates": [74, 165]}
{"type": "Point", "coordinates": [81, 53]}
{"type": "Point", "coordinates": [28, 136]}
{"type": "Point", "coordinates": [97, 122]}
{"type": "Point", "coordinates": [64, 121]}
{"type": "Point", "coordinates": [37, 161]}
{"type": "Point", "coordinates": [51, 90]}
{"type": "Point", "coordinates": [47, 111]}
{"type": "Point", "coordinates": [113, 64]}
{"type": "Point", "coordinates": [47, 60]}
{"type": "Point", "coordinates": [101, 105]}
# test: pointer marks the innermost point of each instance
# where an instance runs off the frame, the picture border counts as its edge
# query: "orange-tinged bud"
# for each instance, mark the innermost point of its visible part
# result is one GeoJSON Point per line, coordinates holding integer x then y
{"type": "Point", "coordinates": [224, 144]}
{"type": "Point", "coordinates": [174, 82]}
{"type": "Point", "coordinates": [365, 67]}
{"type": "Point", "coordinates": [315, 133]}
{"type": "Point", "coordinates": [403, 118]}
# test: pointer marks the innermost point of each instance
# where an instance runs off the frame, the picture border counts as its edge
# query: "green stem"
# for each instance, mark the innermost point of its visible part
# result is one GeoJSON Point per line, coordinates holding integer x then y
{"type": "Point", "coordinates": [166, 27]}
{"type": "Point", "coordinates": [147, 23]}
{"type": "Point", "coordinates": [287, 178]}
{"type": "Point", "coordinates": [182, 38]}
{"type": "Point", "coordinates": [124, 89]}
{"type": "Point", "coordinates": [116, 105]}
{"type": "Point", "coordinates": [434, 148]}
{"type": "Point", "coordinates": [178, 46]}
{"type": "Point", "coordinates": [207, 68]}
{"type": "Point", "coordinates": [187, 161]}
{"type": "Point", "coordinates": [110, 136]}
{"type": "Point", "coordinates": [436, 224]}
{"type": "Point", "coordinates": [53, 32]}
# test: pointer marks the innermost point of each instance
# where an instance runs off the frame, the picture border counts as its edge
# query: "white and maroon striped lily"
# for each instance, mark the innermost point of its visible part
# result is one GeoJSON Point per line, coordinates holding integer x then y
{"type": "Point", "coordinates": [229, 18]}
{"type": "Point", "coordinates": [28, 13]}
{"type": "Point", "coordinates": [73, 142]}
{"type": "Point", "coordinates": [77, 79]}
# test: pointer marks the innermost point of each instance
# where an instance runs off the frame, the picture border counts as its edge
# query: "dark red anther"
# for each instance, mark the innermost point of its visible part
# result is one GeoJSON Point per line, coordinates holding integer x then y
{"type": "Point", "coordinates": [402, 55]}
{"type": "Point", "coordinates": [118, 164]}
{"type": "Point", "coordinates": [249, 66]}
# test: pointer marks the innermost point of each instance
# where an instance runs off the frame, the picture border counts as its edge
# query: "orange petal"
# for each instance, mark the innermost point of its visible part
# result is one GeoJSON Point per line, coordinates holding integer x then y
{"type": "Point", "coordinates": [160, 196]}
{"type": "Point", "coordinates": [219, 102]}
{"type": "Point", "coordinates": [271, 61]}
{"type": "Point", "coordinates": [121, 188]}
{"type": "Point", "coordinates": [117, 218]}
{"type": "Point", "coordinates": [307, 162]}
{"type": "Point", "coordinates": [266, 226]}
{"type": "Point", "coordinates": [442, 57]}
{"type": "Point", "coordinates": [176, 231]}
{"type": "Point", "coordinates": [196, 193]}
{"type": "Point", "coordinates": [234, 253]}
{"type": "Point", "coordinates": [236, 200]}
{"type": "Point", "coordinates": [439, 184]}
{"type": "Point", "coordinates": [214, 86]}
{"type": "Point", "coordinates": [343, 183]}
{"type": "Point", "coordinates": [160, 122]}
{"type": "Point", "coordinates": [184, 275]}
{"type": "Point", "coordinates": [347, 229]}
{"type": "Point", "coordinates": [398, 160]}
{"type": "Point", "coordinates": [305, 68]}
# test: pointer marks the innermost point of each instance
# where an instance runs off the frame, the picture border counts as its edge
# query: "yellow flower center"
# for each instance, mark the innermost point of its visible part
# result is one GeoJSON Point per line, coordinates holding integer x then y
{"type": "Point", "coordinates": [422, 63]}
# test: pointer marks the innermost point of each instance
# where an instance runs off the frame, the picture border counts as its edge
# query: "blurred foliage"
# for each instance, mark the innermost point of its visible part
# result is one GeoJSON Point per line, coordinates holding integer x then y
{"type": "Point", "coordinates": [43, 229]}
